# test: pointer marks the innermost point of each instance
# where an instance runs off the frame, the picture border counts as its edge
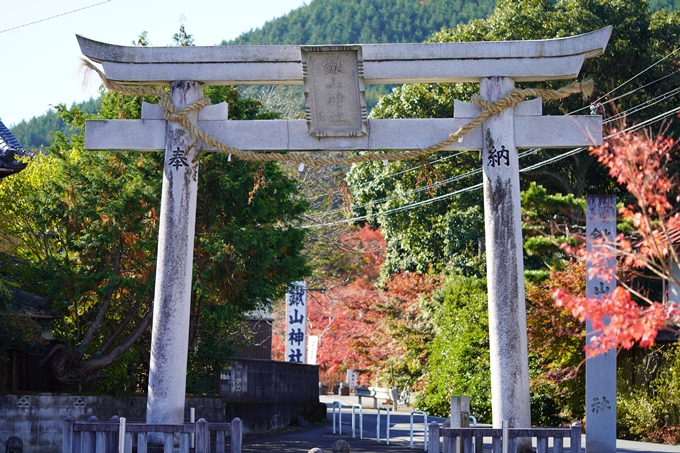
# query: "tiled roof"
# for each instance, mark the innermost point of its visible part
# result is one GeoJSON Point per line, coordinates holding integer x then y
{"type": "Point", "coordinates": [9, 147]}
{"type": "Point", "coordinates": [7, 140]}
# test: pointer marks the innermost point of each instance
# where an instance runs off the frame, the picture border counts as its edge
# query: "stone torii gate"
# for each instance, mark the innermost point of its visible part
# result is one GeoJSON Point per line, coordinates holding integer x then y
{"type": "Point", "coordinates": [334, 78]}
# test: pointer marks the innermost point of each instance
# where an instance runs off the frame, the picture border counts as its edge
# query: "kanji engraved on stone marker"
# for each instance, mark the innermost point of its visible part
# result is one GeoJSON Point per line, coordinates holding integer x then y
{"type": "Point", "coordinates": [600, 405]}
{"type": "Point", "coordinates": [334, 91]}
{"type": "Point", "coordinates": [178, 159]}
{"type": "Point", "coordinates": [296, 297]}
{"type": "Point", "coordinates": [601, 290]}
{"type": "Point", "coordinates": [598, 234]}
{"type": "Point", "coordinates": [601, 369]}
{"type": "Point", "coordinates": [496, 156]}
{"type": "Point", "coordinates": [296, 318]}
{"type": "Point", "coordinates": [295, 356]}
{"type": "Point", "coordinates": [332, 65]}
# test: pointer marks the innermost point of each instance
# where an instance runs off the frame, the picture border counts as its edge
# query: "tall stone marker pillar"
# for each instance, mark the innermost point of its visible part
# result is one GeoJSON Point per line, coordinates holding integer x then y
{"type": "Point", "coordinates": [172, 297]}
{"type": "Point", "coordinates": [504, 263]}
{"type": "Point", "coordinates": [601, 369]}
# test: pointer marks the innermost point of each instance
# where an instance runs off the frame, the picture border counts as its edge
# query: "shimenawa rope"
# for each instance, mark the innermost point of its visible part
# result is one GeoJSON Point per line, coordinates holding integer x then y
{"type": "Point", "coordinates": [509, 100]}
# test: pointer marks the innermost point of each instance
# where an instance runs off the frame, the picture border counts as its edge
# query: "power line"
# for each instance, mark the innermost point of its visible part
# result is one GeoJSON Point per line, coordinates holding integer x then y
{"type": "Point", "coordinates": [436, 161]}
{"type": "Point", "coordinates": [630, 111]}
{"type": "Point", "coordinates": [52, 17]}
{"type": "Point", "coordinates": [644, 105]}
{"type": "Point", "coordinates": [638, 74]}
{"type": "Point", "coordinates": [631, 79]}
{"type": "Point", "coordinates": [437, 184]}
{"type": "Point", "coordinates": [643, 86]}
{"type": "Point", "coordinates": [477, 186]}
{"type": "Point", "coordinates": [434, 185]}
{"type": "Point", "coordinates": [404, 195]}
{"type": "Point", "coordinates": [633, 128]}
{"type": "Point", "coordinates": [400, 208]}
{"type": "Point", "coordinates": [633, 109]}
{"type": "Point", "coordinates": [620, 115]}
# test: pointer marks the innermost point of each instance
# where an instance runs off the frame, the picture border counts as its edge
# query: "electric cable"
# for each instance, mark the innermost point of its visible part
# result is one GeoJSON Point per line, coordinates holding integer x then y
{"type": "Point", "coordinates": [477, 186]}
{"type": "Point", "coordinates": [630, 79]}
{"type": "Point", "coordinates": [53, 17]}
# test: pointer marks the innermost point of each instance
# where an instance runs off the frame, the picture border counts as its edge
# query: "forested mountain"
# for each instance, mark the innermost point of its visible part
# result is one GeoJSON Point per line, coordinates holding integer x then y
{"type": "Point", "coordinates": [38, 132]}
{"type": "Point", "coordinates": [376, 21]}
{"type": "Point", "coordinates": [366, 21]}
{"type": "Point", "coordinates": [668, 5]}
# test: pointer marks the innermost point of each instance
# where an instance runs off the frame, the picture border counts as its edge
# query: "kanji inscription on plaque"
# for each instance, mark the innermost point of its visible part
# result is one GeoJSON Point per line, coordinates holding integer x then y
{"type": "Point", "coordinates": [334, 91]}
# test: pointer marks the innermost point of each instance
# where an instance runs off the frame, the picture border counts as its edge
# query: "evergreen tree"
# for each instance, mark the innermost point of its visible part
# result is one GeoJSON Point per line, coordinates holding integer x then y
{"type": "Point", "coordinates": [442, 234]}
{"type": "Point", "coordinates": [85, 226]}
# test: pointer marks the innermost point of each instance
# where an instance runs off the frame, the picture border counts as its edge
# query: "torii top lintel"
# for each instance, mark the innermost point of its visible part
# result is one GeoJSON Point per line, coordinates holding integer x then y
{"type": "Point", "coordinates": [524, 61]}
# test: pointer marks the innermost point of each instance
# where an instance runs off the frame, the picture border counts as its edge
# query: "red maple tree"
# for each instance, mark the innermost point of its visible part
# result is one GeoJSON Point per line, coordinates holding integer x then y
{"type": "Point", "coordinates": [361, 324]}
{"type": "Point", "coordinates": [630, 316]}
{"type": "Point", "coordinates": [341, 314]}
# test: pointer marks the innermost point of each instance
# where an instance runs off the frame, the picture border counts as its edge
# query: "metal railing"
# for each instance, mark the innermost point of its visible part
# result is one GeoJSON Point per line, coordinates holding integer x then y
{"type": "Point", "coordinates": [424, 415]}
{"type": "Point", "coordinates": [361, 421]}
{"type": "Point", "coordinates": [377, 426]}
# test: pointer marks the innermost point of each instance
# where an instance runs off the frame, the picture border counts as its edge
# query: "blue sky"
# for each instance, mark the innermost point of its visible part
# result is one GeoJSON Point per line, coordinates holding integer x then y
{"type": "Point", "coordinates": [39, 62]}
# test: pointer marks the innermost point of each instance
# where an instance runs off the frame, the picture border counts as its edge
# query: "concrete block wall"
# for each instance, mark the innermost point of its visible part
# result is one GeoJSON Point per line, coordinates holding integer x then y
{"type": "Point", "coordinates": [37, 418]}
{"type": "Point", "coordinates": [255, 380]}
{"type": "Point", "coordinates": [265, 394]}
{"type": "Point", "coordinates": [268, 395]}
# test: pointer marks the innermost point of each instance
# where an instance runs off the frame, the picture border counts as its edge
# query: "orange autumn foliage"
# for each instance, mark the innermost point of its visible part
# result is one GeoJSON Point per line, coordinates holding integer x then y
{"type": "Point", "coordinates": [627, 317]}
{"type": "Point", "coordinates": [360, 325]}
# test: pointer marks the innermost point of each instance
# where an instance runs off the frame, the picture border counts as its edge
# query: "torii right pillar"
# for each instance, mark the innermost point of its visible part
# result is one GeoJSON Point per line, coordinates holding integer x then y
{"type": "Point", "coordinates": [504, 263]}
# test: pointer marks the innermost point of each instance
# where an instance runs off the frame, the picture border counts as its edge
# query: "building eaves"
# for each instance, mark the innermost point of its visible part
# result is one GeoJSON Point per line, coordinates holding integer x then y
{"type": "Point", "coordinates": [9, 149]}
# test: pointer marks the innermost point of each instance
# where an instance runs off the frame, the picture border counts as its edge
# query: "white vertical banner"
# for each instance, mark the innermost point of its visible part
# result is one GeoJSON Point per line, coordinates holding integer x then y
{"type": "Point", "coordinates": [312, 348]}
{"type": "Point", "coordinates": [296, 324]}
{"type": "Point", "coordinates": [352, 377]}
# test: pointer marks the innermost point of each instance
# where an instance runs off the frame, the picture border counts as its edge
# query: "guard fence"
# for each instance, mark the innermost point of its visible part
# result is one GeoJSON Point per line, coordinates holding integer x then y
{"type": "Point", "coordinates": [503, 440]}
{"type": "Point", "coordinates": [118, 436]}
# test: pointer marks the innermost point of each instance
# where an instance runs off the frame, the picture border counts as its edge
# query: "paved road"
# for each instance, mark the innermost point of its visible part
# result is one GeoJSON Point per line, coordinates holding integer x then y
{"type": "Point", "coordinates": [322, 436]}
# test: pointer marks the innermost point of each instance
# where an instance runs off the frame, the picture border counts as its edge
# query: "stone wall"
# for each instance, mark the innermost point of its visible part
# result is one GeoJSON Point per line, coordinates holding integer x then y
{"type": "Point", "coordinates": [36, 418]}
{"type": "Point", "coordinates": [265, 394]}
{"type": "Point", "coordinates": [269, 394]}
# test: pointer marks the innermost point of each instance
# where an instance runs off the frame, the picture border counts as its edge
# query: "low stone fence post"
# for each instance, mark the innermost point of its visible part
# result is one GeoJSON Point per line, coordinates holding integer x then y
{"type": "Point", "coordinates": [67, 434]}
{"type": "Point", "coordinates": [433, 435]}
{"type": "Point", "coordinates": [202, 436]}
{"type": "Point", "coordinates": [236, 435]}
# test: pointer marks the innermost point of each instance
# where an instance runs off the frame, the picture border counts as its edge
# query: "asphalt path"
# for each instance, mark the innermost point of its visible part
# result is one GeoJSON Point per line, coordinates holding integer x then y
{"type": "Point", "coordinates": [325, 435]}
{"type": "Point", "coordinates": [362, 439]}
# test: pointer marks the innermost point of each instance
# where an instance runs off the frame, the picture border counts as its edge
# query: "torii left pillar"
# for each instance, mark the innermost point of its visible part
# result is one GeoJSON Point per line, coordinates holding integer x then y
{"type": "Point", "coordinates": [172, 298]}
